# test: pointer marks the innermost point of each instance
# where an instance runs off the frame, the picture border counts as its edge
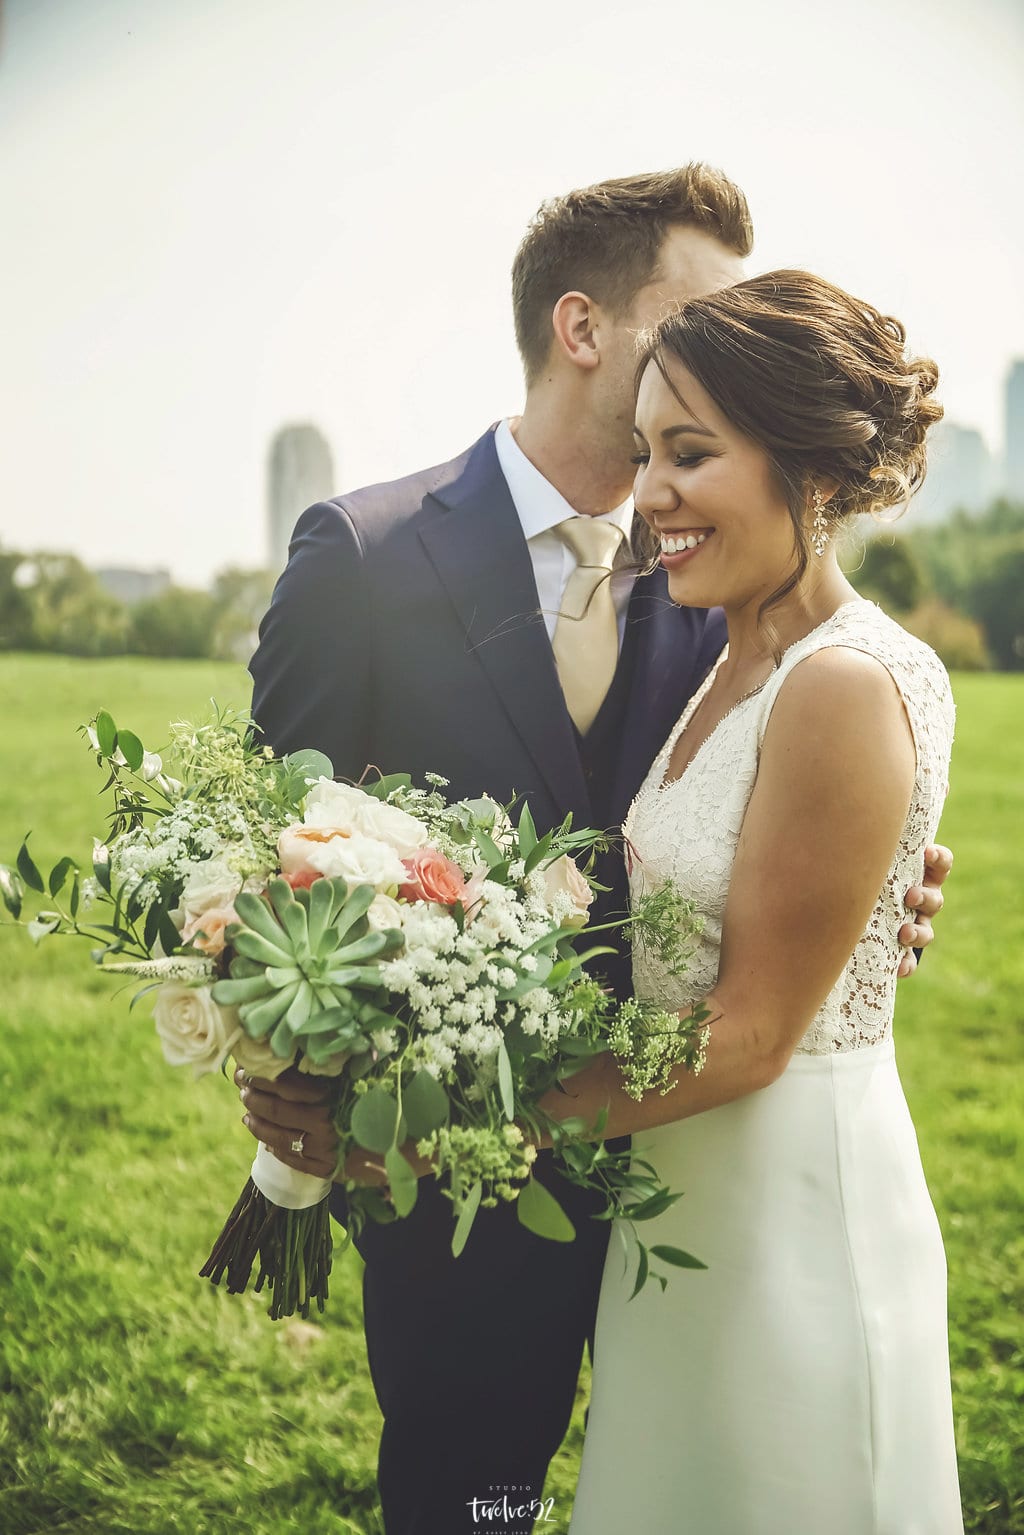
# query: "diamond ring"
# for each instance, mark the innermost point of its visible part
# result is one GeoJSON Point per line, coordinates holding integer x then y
{"type": "Point", "coordinates": [298, 1146]}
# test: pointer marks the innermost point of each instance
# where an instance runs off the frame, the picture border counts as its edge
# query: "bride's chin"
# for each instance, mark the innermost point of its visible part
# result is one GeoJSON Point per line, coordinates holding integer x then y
{"type": "Point", "coordinates": [686, 592]}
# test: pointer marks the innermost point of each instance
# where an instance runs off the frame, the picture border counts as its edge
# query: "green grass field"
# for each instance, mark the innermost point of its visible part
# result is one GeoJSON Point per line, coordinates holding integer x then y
{"type": "Point", "coordinates": [137, 1400]}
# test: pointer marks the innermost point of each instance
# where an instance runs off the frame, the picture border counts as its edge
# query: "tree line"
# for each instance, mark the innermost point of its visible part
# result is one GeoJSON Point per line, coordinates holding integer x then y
{"type": "Point", "coordinates": [958, 584]}
{"type": "Point", "coordinates": [54, 602]}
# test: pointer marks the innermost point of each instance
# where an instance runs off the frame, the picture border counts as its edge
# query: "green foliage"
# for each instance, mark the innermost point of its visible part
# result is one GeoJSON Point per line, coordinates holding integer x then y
{"type": "Point", "coordinates": [241, 597]}
{"type": "Point", "coordinates": [177, 622]}
{"type": "Point", "coordinates": [135, 1399]}
{"type": "Point", "coordinates": [53, 602]}
{"type": "Point", "coordinates": [957, 640]}
{"type": "Point", "coordinates": [975, 563]}
{"type": "Point", "coordinates": [890, 574]}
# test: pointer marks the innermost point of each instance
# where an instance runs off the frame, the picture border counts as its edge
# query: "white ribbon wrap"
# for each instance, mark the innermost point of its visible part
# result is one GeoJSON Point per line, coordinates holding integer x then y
{"type": "Point", "coordinates": [284, 1185]}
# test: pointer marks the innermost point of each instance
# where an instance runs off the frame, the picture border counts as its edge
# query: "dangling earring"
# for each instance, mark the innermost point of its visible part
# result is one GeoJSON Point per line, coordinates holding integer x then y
{"type": "Point", "coordinates": [819, 527]}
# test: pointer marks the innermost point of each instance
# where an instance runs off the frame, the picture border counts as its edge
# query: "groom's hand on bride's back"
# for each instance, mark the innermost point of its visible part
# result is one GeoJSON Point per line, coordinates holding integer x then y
{"type": "Point", "coordinates": [924, 901]}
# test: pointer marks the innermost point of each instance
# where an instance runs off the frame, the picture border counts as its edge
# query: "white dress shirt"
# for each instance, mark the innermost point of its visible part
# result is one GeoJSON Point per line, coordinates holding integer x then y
{"type": "Point", "coordinates": [541, 508]}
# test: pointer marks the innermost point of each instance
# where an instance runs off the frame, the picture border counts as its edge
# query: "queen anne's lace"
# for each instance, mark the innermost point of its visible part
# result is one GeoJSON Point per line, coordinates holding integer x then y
{"type": "Point", "coordinates": [686, 832]}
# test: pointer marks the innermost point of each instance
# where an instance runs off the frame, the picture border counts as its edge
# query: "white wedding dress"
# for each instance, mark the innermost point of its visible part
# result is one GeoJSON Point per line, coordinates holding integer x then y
{"type": "Point", "coordinates": [799, 1386]}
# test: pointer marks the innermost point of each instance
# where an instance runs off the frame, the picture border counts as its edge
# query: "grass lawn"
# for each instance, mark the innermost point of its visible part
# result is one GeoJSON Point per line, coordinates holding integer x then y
{"type": "Point", "coordinates": [137, 1400]}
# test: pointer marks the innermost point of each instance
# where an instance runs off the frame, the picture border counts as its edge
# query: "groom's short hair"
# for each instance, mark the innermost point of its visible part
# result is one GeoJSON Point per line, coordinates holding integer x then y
{"type": "Point", "coordinates": [604, 240]}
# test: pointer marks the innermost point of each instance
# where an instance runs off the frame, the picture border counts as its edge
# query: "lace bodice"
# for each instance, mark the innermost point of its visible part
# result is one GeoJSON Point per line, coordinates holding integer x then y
{"type": "Point", "coordinates": [686, 831]}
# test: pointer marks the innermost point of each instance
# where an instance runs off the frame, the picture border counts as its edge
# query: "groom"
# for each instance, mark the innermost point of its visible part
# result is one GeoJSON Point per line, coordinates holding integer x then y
{"type": "Point", "coordinates": [419, 627]}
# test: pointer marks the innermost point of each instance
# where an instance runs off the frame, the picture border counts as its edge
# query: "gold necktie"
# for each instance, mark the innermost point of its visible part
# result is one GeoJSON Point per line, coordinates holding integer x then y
{"type": "Point", "coordinates": [586, 640]}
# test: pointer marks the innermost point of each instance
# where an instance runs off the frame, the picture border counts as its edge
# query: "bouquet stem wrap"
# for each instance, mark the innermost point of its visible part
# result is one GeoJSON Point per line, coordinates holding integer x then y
{"type": "Point", "coordinates": [282, 1215]}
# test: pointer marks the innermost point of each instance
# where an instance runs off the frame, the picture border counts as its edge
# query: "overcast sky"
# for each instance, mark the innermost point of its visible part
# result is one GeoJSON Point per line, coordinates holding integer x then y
{"type": "Point", "coordinates": [225, 215]}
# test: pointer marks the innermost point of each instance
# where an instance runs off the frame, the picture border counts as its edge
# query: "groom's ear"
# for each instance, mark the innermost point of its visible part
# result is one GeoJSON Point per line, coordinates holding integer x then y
{"type": "Point", "coordinates": [574, 322]}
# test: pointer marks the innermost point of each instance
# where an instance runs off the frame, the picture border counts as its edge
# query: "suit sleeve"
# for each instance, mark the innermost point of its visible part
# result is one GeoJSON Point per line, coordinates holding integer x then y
{"type": "Point", "coordinates": [310, 671]}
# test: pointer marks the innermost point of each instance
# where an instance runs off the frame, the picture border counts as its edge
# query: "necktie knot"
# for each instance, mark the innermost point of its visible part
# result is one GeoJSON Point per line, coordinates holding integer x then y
{"type": "Point", "coordinates": [594, 543]}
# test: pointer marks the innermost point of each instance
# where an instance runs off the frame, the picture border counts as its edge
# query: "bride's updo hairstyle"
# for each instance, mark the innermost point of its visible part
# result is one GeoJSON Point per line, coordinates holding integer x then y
{"type": "Point", "coordinates": [820, 380]}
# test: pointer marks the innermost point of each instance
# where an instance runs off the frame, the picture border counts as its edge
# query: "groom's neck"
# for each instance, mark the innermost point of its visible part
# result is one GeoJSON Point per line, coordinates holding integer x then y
{"type": "Point", "coordinates": [582, 457]}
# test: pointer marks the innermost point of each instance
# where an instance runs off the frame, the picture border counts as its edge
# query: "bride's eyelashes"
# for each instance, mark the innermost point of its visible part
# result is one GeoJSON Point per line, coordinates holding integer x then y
{"type": "Point", "coordinates": [680, 460]}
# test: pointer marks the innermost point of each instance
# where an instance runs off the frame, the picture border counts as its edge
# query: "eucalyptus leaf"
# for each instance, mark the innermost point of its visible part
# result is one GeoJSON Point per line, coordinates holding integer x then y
{"type": "Point", "coordinates": [505, 1081]}
{"type": "Point", "coordinates": [27, 869]}
{"type": "Point", "coordinates": [375, 1120]}
{"type": "Point", "coordinates": [539, 853]}
{"type": "Point", "coordinates": [643, 1268]}
{"type": "Point", "coordinates": [467, 1215]}
{"type": "Point", "coordinates": [404, 1182]}
{"type": "Point", "coordinates": [682, 1260]}
{"type": "Point", "coordinates": [647, 1209]}
{"type": "Point", "coordinates": [59, 875]}
{"type": "Point", "coordinates": [425, 1105]}
{"type": "Point", "coordinates": [382, 787]}
{"type": "Point", "coordinates": [131, 748]}
{"type": "Point", "coordinates": [106, 733]}
{"type": "Point", "coordinates": [311, 764]}
{"type": "Point", "coordinates": [540, 1212]}
{"type": "Point", "coordinates": [488, 847]}
{"type": "Point", "coordinates": [527, 833]}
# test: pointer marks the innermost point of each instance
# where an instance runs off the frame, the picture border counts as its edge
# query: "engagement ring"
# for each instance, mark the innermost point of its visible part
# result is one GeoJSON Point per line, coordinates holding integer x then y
{"type": "Point", "coordinates": [298, 1147]}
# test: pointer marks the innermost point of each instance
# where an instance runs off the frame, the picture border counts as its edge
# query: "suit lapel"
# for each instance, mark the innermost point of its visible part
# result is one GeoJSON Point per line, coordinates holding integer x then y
{"type": "Point", "coordinates": [667, 641]}
{"type": "Point", "coordinates": [479, 552]}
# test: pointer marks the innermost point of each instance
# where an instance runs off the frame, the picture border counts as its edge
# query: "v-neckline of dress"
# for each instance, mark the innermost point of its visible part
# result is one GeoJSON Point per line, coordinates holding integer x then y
{"type": "Point", "coordinates": [665, 757]}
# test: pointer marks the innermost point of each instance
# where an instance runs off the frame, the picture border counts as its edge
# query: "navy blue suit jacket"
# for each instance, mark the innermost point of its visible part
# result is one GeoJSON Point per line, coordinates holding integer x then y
{"type": "Point", "coordinates": [406, 633]}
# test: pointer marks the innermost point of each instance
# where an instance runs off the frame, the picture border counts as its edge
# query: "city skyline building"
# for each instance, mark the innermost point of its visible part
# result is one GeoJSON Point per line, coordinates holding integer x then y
{"type": "Point", "coordinates": [300, 470]}
{"type": "Point", "coordinates": [961, 474]}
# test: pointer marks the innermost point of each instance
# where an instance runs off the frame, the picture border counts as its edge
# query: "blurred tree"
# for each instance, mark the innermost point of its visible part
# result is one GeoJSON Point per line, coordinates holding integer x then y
{"type": "Point", "coordinates": [957, 640]}
{"type": "Point", "coordinates": [242, 597]}
{"type": "Point", "coordinates": [890, 574]}
{"type": "Point", "coordinates": [53, 602]}
{"type": "Point", "coordinates": [996, 600]}
{"type": "Point", "coordinates": [177, 622]}
{"type": "Point", "coordinates": [16, 630]}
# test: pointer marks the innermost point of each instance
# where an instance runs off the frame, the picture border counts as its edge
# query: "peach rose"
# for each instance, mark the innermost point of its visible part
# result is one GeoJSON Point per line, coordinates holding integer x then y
{"type": "Point", "coordinates": [294, 847]}
{"type": "Point", "coordinates": [432, 877]}
{"type": "Point", "coordinates": [206, 930]}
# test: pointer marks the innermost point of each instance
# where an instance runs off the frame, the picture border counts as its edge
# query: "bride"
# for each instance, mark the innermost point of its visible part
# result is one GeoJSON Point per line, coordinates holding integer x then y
{"type": "Point", "coordinates": [799, 1386]}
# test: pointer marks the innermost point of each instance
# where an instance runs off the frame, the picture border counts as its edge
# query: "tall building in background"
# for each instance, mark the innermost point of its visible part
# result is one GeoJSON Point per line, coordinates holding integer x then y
{"type": "Point", "coordinates": [299, 472]}
{"type": "Point", "coordinates": [1015, 432]}
{"type": "Point", "coordinates": [961, 473]}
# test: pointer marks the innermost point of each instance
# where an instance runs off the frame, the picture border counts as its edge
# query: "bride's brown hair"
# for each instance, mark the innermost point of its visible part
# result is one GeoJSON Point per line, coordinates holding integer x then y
{"type": "Point", "coordinates": [821, 380]}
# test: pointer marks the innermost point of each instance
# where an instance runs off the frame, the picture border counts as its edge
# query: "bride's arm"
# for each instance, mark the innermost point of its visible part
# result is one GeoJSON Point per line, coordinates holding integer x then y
{"type": "Point", "coordinates": [834, 782]}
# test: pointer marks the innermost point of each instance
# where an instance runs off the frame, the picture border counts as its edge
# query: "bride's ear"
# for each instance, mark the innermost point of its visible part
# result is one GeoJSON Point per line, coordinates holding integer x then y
{"type": "Point", "coordinates": [826, 488]}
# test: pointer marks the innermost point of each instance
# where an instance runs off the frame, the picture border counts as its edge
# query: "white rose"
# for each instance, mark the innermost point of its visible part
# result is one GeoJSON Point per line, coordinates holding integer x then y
{"type": "Point", "coordinates": [384, 914]}
{"type": "Point", "coordinates": [193, 1030]}
{"type": "Point", "coordinates": [563, 879]}
{"type": "Point", "coordinates": [212, 883]}
{"type": "Point", "coordinates": [335, 804]}
{"type": "Point", "coordinates": [358, 859]}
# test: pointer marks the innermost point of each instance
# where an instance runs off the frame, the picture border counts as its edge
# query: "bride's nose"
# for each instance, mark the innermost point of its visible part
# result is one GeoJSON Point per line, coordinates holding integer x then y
{"type": "Point", "coordinates": [653, 493]}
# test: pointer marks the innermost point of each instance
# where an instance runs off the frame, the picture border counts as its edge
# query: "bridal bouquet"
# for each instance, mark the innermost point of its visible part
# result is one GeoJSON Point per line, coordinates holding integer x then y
{"type": "Point", "coordinates": [428, 956]}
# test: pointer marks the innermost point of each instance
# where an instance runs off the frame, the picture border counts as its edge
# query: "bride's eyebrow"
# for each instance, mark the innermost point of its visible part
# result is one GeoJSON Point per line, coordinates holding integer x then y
{"type": "Point", "coordinates": [679, 431]}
